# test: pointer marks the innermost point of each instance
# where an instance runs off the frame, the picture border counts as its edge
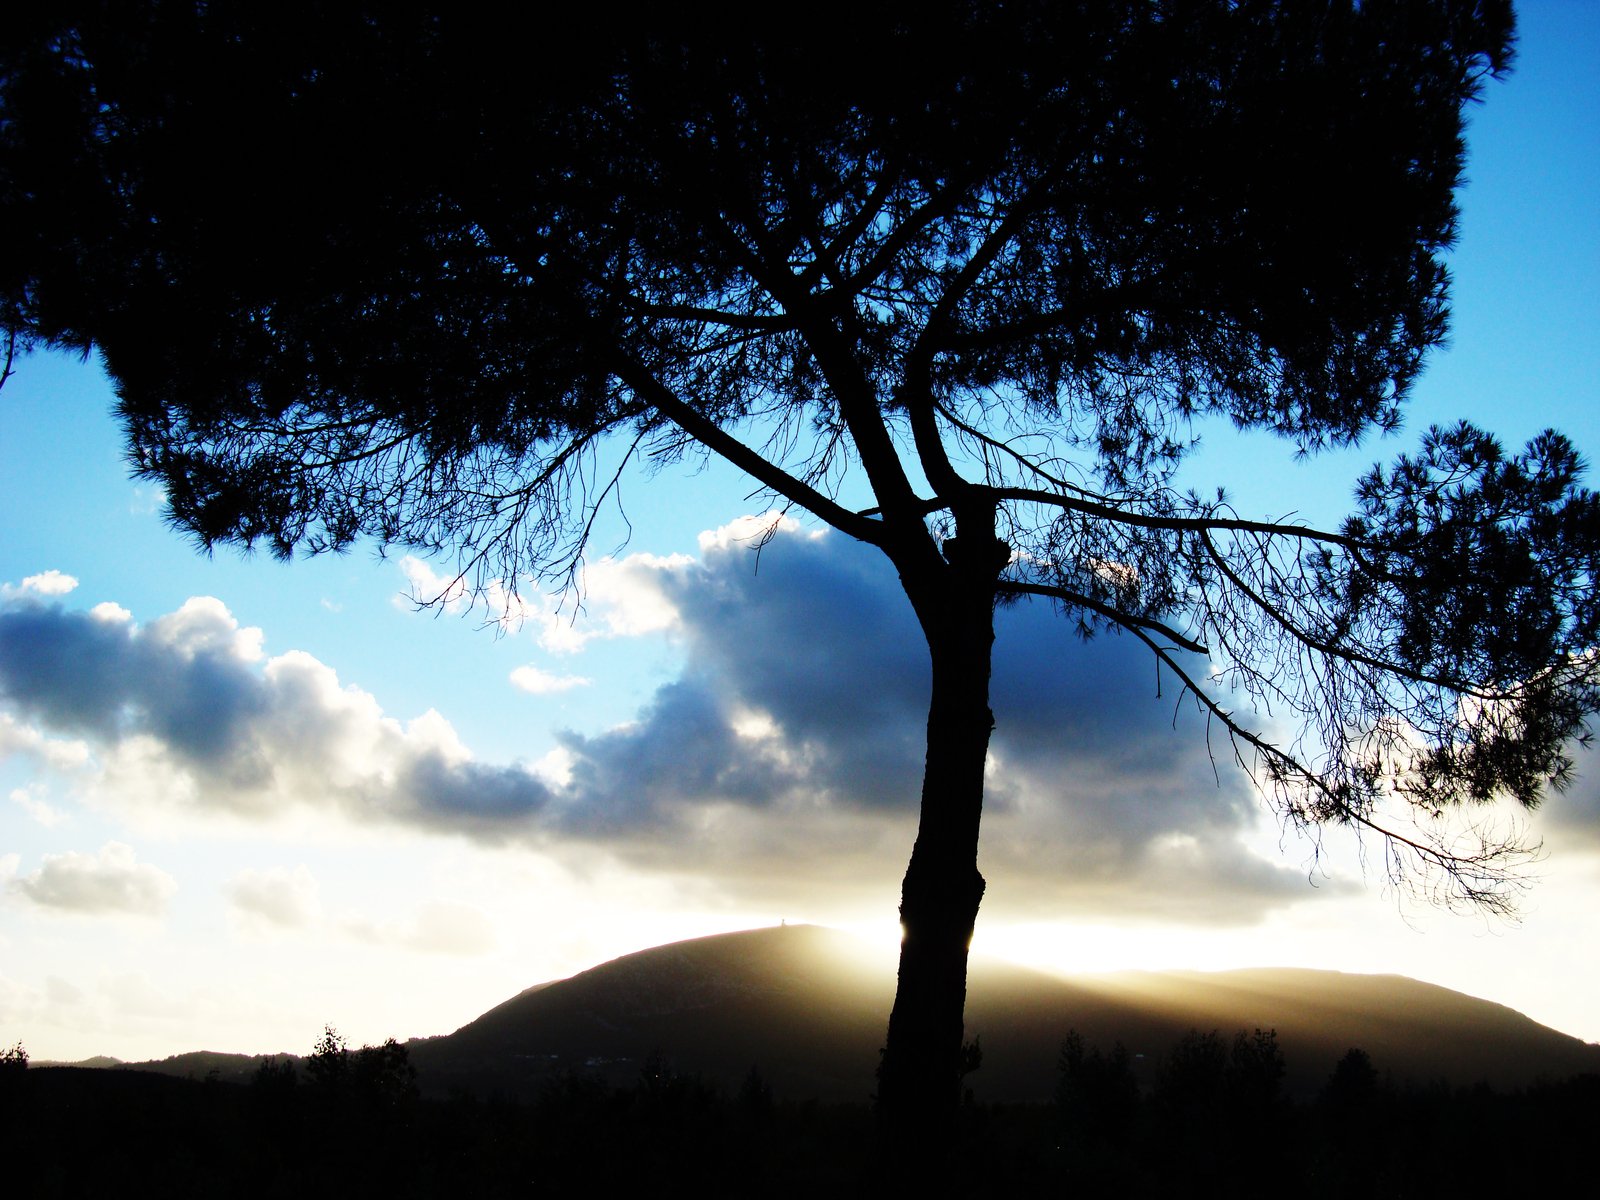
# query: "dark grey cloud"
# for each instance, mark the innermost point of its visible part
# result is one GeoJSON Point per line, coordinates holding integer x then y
{"type": "Point", "coordinates": [683, 753]}
{"type": "Point", "coordinates": [183, 680]}
{"type": "Point", "coordinates": [1103, 794]}
{"type": "Point", "coordinates": [183, 711]}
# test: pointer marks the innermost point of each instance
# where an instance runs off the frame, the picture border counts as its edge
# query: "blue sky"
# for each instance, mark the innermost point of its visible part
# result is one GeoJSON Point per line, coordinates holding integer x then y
{"type": "Point", "coordinates": [242, 798]}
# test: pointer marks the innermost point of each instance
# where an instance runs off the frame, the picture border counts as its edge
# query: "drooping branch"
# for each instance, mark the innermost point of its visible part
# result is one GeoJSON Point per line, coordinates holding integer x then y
{"type": "Point", "coordinates": [1483, 879]}
{"type": "Point", "coordinates": [1348, 653]}
{"type": "Point", "coordinates": [1011, 587]}
{"type": "Point", "coordinates": [1025, 462]}
{"type": "Point", "coordinates": [6, 368]}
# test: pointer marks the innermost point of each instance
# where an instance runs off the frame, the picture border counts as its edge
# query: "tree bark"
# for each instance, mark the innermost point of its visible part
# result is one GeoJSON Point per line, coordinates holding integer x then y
{"type": "Point", "coordinates": [919, 1076]}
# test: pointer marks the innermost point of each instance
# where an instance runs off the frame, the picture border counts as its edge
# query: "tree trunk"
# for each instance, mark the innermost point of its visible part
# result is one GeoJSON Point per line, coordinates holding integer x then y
{"type": "Point", "coordinates": [919, 1077]}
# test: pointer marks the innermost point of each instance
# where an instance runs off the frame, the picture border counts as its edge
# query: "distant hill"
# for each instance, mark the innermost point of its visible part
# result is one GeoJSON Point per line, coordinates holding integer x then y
{"type": "Point", "coordinates": [100, 1062]}
{"type": "Point", "coordinates": [805, 1006]}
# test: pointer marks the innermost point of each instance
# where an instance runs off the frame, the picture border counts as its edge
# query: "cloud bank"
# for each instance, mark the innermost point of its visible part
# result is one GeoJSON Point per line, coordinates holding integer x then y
{"type": "Point", "coordinates": [781, 767]}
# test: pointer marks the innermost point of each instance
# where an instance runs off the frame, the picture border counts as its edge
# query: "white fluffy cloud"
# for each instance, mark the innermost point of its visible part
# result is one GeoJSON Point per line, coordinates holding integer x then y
{"type": "Point", "coordinates": [111, 881]}
{"type": "Point", "coordinates": [45, 584]}
{"type": "Point", "coordinates": [536, 682]}
{"type": "Point", "coordinates": [615, 597]}
{"type": "Point", "coordinates": [626, 597]}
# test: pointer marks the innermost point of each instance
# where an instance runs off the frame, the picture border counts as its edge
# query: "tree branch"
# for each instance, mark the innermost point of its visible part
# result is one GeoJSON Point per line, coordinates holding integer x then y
{"type": "Point", "coordinates": [757, 322]}
{"type": "Point", "coordinates": [917, 394]}
{"type": "Point", "coordinates": [1478, 878]}
{"type": "Point", "coordinates": [769, 474]}
{"type": "Point", "coordinates": [1328, 648]}
{"type": "Point", "coordinates": [1021, 459]}
{"type": "Point", "coordinates": [828, 257]}
{"type": "Point", "coordinates": [1013, 587]}
{"type": "Point", "coordinates": [1123, 516]}
{"type": "Point", "coordinates": [852, 390]}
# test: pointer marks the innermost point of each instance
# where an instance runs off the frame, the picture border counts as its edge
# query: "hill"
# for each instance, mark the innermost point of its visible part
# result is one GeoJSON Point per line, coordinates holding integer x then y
{"type": "Point", "coordinates": [808, 1008]}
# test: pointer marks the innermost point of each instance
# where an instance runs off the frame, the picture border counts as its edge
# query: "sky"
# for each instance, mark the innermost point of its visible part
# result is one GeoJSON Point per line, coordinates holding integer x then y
{"type": "Point", "coordinates": [241, 799]}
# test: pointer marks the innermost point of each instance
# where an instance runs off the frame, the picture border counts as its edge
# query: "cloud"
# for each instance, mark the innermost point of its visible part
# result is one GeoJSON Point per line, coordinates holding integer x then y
{"type": "Point", "coordinates": [535, 682]}
{"type": "Point", "coordinates": [30, 799]}
{"type": "Point", "coordinates": [26, 742]}
{"type": "Point", "coordinates": [187, 713]}
{"type": "Point", "coordinates": [146, 501]}
{"type": "Point", "coordinates": [184, 679]}
{"type": "Point", "coordinates": [1573, 816]}
{"type": "Point", "coordinates": [614, 598]}
{"type": "Point", "coordinates": [281, 899]}
{"type": "Point", "coordinates": [110, 881]}
{"type": "Point", "coordinates": [430, 588]}
{"type": "Point", "coordinates": [797, 733]}
{"type": "Point", "coordinates": [626, 598]}
{"type": "Point", "coordinates": [437, 927]}
{"type": "Point", "coordinates": [43, 585]}
{"type": "Point", "coordinates": [277, 898]}
{"type": "Point", "coordinates": [449, 927]}
{"type": "Point", "coordinates": [783, 766]}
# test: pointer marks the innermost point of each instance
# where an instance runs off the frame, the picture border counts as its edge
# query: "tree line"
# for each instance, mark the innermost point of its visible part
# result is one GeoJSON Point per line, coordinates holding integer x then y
{"type": "Point", "coordinates": [1211, 1116]}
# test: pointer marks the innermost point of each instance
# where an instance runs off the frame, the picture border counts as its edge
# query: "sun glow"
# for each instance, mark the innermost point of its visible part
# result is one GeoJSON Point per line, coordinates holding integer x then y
{"type": "Point", "coordinates": [1073, 949]}
{"type": "Point", "coordinates": [1064, 949]}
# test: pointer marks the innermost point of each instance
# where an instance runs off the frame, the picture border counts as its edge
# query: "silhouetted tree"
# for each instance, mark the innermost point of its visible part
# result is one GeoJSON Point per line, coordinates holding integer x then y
{"type": "Point", "coordinates": [13, 1065]}
{"type": "Point", "coordinates": [1352, 1088]}
{"type": "Point", "coordinates": [328, 1064]}
{"type": "Point", "coordinates": [379, 271]}
{"type": "Point", "coordinates": [275, 1076]}
{"type": "Point", "coordinates": [380, 1078]}
{"type": "Point", "coordinates": [1193, 1076]}
{"type": "Point", "coordinates": [384, 1076]}
{"type": "Point", "coordinates": [14, 1058]}
{"type": "Point", "coordinates": [1098, 1100]}
{"type": "Point", "coordinates": [1255, 1074]}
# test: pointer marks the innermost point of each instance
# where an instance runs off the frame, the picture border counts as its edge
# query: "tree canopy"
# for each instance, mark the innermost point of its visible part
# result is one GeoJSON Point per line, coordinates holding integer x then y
{"type": "Point", "coordinates": [400, 274]}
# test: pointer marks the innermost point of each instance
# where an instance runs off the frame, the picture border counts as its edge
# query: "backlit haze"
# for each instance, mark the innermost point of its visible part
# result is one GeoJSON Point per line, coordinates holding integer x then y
{"type": "Point", "coordinates": [240, 799]}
